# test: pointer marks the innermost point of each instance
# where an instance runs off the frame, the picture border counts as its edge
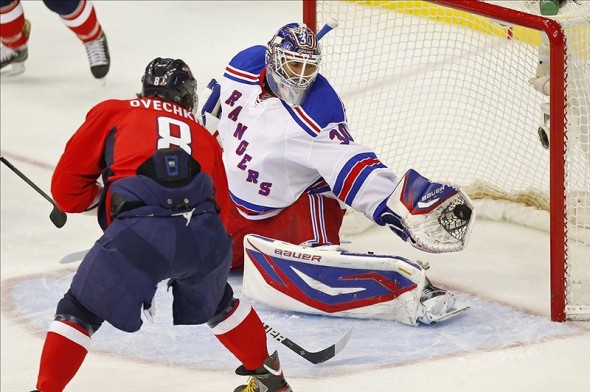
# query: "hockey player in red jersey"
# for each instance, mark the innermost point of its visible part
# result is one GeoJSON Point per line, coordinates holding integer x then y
{"type": "Point", "coordinates": [164, 185]}
{"type": "Point", "coordinates": [78, 15]}
{"type": "Point", "coordinates": [293, 166]}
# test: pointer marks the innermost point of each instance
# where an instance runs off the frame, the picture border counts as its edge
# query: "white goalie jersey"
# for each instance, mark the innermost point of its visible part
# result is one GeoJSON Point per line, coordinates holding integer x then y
{"type": "Point", "coordinates": [273, 152]}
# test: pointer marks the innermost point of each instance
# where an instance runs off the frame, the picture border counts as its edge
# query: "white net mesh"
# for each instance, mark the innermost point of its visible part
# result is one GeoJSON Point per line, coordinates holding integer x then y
{"type": "Point", "coordinates": [447, 93]}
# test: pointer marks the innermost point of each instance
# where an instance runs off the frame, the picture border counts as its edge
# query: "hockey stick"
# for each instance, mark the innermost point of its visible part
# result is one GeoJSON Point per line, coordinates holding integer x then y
{"type": "Point", "coordinates": [57, 216]}
{"type": "Point", "coordinates": [74, 257]}
{"type": "Point", "coordinates": [329, 26]}
{"type": "Point", "coordinates": [313, 357]}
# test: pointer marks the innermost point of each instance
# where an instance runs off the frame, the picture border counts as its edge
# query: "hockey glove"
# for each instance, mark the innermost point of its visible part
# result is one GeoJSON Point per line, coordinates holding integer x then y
{"type": "Point", "coordinates": [92, 208]}
{"type": "Point", "coordinates": [211, 109]}
{"type": "Point", "coordinates": [433, 217]}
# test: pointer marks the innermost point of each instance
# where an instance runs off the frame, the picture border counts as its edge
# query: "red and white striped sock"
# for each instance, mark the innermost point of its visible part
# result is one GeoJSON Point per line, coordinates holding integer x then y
{"type": "Point", "coordinates": [12, 23]}
{"type": "Point", "coordinates": [65, 348]}
{"type": "Point", "coordinates": [242, 333]}
{"type": "Point", "coordinates": [83, 22]}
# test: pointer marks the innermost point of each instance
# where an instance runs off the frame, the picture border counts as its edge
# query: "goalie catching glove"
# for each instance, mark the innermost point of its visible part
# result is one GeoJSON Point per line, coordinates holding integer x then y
{"type": "Point", "coordinates": [433, 217]}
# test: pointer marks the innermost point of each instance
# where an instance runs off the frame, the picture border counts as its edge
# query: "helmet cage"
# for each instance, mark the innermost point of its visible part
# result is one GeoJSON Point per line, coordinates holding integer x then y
{"type": "Point", "coordinates": [296, 70]}
{"type": "Point", "coordinates": [292, 60]}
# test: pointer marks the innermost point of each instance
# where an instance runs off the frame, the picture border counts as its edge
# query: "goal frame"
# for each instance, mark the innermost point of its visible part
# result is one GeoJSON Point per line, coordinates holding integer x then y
{"type": "Point", "coordinates": [557, 150]}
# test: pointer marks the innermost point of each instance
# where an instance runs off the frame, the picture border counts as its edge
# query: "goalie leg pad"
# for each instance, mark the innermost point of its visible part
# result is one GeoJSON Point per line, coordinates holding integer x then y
{"type": "Point", "coordinates": [328, 280]}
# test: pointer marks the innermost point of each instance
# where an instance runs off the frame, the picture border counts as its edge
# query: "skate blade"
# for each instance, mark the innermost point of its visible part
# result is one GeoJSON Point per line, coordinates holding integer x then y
{"type": "Point", "coordinates": [452, 313]}
{"type": "Point", "coordinates": [15, 69]}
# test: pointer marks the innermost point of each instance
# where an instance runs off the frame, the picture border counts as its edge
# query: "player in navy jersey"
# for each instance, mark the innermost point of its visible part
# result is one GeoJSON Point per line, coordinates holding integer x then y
{"type": "Point", "coordinates": [293, 166]}
{"type": "Point", "coordinates": [164, 185]}
{"type": "Point", "coordinates": [78, 15]}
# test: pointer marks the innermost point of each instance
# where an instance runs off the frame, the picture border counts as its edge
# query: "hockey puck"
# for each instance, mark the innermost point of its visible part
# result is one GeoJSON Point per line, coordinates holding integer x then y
{"type": "Point", "coordinates": [462, 212]}
{"type": "Point", "coordinates": [543, 137]}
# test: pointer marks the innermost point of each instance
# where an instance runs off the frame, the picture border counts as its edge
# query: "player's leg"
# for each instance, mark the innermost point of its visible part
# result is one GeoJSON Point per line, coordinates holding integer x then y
{"type": "Point", "coordinates": [233, 322]}
{"type": "Point", "coordinates": [66, 344]}
{"type": "Point", "coordinates": [238, 327]}
{"type": "Point", "coordinates": [14, 35]}
{"type": "Point", "coordinates": [117, 278]}
{"type": "Point", "coordinates": [202, 294]}
{"type": "Point", "coordinates": [80, 17]}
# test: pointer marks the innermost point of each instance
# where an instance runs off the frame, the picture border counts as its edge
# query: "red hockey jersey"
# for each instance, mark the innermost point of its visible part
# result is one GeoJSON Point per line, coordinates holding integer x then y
{"type": "Point", "coordinates": [118, 136]}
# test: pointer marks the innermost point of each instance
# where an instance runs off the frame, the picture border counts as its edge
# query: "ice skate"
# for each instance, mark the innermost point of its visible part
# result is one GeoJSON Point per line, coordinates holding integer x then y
{"type": "Point", "coordinates": [439, 304]}
{"type": "Point", "coordinates": [98, 56]}
{"type": "Point", "coordinates": [15, 58]}
{"type": "Point", "coordinates": [267, 378]}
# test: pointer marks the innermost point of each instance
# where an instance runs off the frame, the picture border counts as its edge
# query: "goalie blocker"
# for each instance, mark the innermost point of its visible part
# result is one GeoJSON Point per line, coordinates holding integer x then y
{"type": "Point", "coordinates": [328, 280]}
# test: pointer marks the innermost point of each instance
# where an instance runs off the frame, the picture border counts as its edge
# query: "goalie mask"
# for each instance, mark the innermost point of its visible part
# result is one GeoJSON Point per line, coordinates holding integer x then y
{"type": "Point", "coordinates": [171, 80]}
{"type": "Point", "coordinates": [292, 62]}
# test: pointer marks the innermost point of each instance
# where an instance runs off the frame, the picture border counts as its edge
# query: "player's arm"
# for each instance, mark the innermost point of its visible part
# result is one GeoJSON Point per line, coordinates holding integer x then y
{"type": "Point", "coordinates": [433, 217]}
{"type": "Point", "coordinates": [74, 183]}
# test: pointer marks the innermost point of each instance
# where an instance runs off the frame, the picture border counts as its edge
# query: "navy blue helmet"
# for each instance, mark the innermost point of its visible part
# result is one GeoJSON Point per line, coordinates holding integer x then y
{"type": "Point", "coordinates": [171, 80]}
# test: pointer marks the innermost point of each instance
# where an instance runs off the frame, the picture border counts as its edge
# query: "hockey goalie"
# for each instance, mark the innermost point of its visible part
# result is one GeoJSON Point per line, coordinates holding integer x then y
{"type": "Point", "coordinates": [293, 167]}
{"type": "Point", "coordinates": [328, 280]}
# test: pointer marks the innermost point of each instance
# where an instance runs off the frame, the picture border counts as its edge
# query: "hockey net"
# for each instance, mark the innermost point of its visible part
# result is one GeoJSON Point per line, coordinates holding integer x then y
{"type": "Point", "coordinates": [443, 87]}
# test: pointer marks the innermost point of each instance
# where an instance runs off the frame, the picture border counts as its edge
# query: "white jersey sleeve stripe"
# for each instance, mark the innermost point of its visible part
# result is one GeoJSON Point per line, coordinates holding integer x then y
{"type": "Point", "coordinates": [353, 175]}
{"type": "Point", "coordinates": [355, 182]}
{"type": "Point", "coordinates": [240, 76]}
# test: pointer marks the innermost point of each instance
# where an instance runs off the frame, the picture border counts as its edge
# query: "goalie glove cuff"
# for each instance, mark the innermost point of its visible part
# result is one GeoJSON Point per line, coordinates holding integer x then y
{"type": "Point", "coordinates": [394, 222]}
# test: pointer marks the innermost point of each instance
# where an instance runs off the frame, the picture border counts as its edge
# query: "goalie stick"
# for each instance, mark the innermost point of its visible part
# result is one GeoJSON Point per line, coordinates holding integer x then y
{"type": "Point", "coordinates": [313, 357]}
{"type": "Point", "coordinates": [57, 216]}
{"type": "Point", "coordinates": [74, 257]}
{"type": "Point", "coordinates": [329, 26]}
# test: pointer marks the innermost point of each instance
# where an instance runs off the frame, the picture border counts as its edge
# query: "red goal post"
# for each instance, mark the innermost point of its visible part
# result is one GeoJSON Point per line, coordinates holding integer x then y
{"type": "Point", "coordinates": [492, 55]}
